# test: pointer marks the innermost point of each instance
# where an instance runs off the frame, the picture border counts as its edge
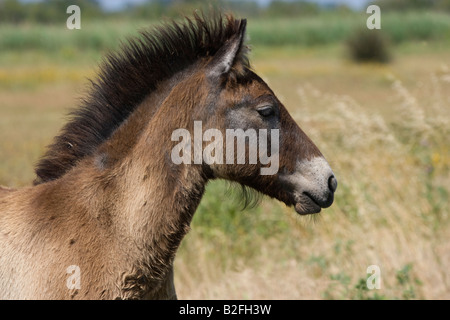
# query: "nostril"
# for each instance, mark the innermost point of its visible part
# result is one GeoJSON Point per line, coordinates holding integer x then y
{"type": "Point", "coordinates": [332, 183]}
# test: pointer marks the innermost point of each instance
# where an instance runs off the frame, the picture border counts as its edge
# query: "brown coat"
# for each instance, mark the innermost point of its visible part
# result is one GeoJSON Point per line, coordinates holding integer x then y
{"type": "Point", "coordinates": [108, 199]}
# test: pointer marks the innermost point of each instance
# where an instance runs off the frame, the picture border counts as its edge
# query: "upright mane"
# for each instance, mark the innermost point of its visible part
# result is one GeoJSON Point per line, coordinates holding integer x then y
{"type": "Point", "coordinates": [126, 78]}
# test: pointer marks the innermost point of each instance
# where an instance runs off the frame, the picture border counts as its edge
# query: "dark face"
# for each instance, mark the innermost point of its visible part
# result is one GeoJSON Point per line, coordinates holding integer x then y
{"type": "Point", "coordinates": [248, 136]}
{"type": "Point", "coordinates": [262, 147]}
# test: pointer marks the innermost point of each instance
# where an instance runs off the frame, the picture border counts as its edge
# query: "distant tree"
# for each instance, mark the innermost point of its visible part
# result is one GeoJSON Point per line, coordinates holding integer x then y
{"type": "Point", "coordinates": [401, 5]}
{"type": "Point", "coordinates": [149, 10]}
{"type": "Point", "coordinates": [443, 5]}
{"type": "Point", "coordinates": [12, 11]}
{"type": "Point", "coordinates": [244, 8]}
{"type": "Point", "coordinates": [297, 8]}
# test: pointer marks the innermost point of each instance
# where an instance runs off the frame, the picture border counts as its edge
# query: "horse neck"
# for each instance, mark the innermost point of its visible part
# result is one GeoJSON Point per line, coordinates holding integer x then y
{"type": "Point", "coordinates": [154, 199]}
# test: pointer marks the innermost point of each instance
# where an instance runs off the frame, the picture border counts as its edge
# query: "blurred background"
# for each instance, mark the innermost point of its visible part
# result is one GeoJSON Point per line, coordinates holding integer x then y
{"type": "Point", "coordinates": [376, 103]}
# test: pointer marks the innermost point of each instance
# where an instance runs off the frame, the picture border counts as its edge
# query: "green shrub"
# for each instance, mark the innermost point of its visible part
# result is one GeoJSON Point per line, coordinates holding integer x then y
{"type": "Point", "coordinates": [366, 45]}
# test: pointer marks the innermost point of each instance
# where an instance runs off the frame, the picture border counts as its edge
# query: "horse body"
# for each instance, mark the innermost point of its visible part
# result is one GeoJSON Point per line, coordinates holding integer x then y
{"type": "Point", "coordinates": [110, 202]}
{"type": "Point", "coordinates": [123, 235]}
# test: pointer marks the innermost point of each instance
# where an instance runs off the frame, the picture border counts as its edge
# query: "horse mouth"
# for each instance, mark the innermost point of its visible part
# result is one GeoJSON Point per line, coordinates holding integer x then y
{"type": "Point", "coordinates": [305, 203]}
{"type": "Point", "coordinates": [311, 187]}
{"type": "Point", "coordinates": [300, 209]}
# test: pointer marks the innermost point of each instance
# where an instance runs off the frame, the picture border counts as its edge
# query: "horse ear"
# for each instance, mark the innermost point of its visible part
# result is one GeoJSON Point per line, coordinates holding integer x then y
{"type": "Point", "coordinates": [225, 57]}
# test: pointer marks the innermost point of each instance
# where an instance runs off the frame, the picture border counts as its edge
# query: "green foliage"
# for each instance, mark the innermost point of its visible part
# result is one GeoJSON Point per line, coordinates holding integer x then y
{"type": "Point", "coordinates": [12, 11]}
{"type": "Point", "coordinates": [54, 11]}
{"type": "Point", "coordinates": [279, 8]}
{"type": "Point", "coordinates": [94, 36]}
{"type": "Point", "coordinates": [47, 11]}
{"type": "Point", "coordinates": [408, 282]}
{"type": "Point", "coordinates": [321, 29]}
{"type": "Point", "coordinates": [307, 31]}
{"type": "Point", "coordinates": [416, 26]}
{"type": "Point", "coordinates": [402, 5]}
{"type": "Point", "coordinates": [221, 220]}
{"type": "Point", "coordinates": [341, 287]}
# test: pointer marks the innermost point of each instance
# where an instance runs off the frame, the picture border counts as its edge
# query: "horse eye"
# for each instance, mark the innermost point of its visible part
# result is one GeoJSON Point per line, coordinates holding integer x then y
{"type": "Point", "coordinates": [266, 111]}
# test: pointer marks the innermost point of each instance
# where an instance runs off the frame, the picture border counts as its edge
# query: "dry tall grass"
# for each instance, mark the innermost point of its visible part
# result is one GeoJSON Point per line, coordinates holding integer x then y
{"type": "Point", "coordinates": [392, 203]}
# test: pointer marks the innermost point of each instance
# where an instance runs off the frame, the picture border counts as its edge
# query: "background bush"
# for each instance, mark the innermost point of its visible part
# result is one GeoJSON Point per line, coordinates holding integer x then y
{"type": "Point", "coordinates": [368, 46]}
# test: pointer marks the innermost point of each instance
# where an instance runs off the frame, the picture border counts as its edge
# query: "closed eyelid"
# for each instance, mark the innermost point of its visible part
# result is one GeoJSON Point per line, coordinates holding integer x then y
{"type": "Point", "coordinates": [266, 110]}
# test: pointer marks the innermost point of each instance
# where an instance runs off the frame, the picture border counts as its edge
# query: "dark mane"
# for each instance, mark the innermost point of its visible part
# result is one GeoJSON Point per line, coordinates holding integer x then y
{"type": "Point", "coordinates": [126, 78]}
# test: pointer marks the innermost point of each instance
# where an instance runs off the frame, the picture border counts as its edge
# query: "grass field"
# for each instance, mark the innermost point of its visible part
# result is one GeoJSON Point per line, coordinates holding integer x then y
{"type": "Point", "coordinates": [385, 129]}
{"type": "Point", "coordinates": [326, 28]}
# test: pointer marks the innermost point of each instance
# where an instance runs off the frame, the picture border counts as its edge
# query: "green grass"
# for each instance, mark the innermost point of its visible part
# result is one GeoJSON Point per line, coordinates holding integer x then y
{"type": "Point", "coordinates": [322, 29]}
{"type": "Point", "coordinates": [51, 38]}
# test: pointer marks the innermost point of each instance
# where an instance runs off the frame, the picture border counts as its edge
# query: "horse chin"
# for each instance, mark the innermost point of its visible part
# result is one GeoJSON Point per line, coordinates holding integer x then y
{"type": "Point", "coordinates": [305, 205]}
{"type": "Point", "coordinates": [303, 209]}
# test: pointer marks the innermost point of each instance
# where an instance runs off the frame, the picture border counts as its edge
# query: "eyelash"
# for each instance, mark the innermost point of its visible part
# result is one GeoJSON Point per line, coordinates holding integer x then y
{"type": "Point", "coordinates": [266, 111]}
